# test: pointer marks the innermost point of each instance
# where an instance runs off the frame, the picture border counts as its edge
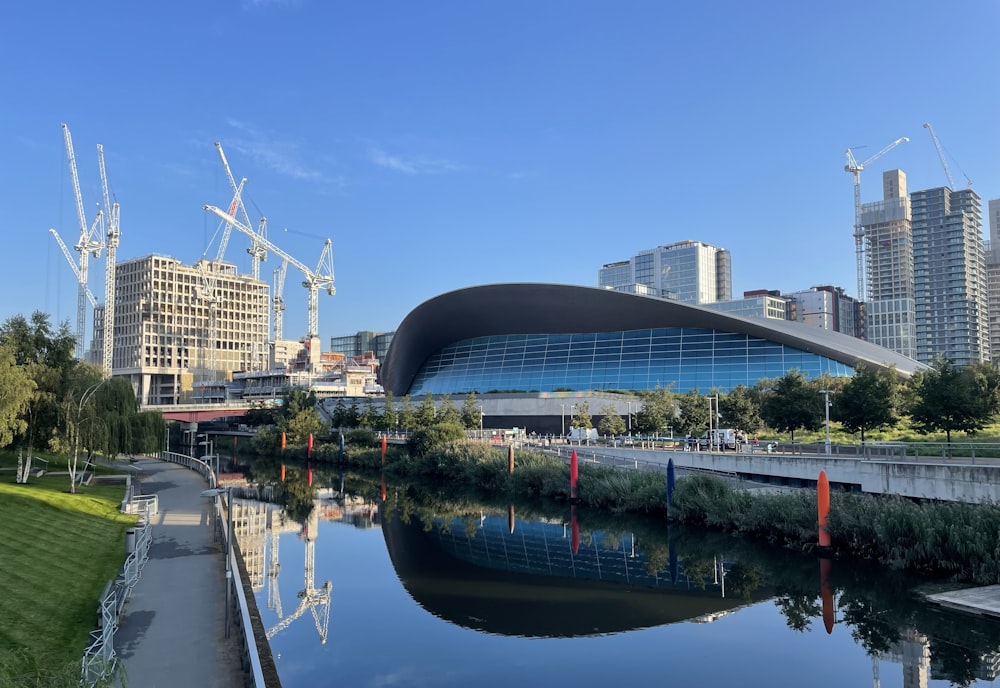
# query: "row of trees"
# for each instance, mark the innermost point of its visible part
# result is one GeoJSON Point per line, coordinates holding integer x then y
{"type": "Point", "coordinates": [52, 402]}
{"type": "Point", "coordinates": [944, 398]}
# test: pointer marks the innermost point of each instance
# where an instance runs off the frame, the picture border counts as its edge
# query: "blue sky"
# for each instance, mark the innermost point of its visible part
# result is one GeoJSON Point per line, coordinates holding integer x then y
{"type": "Point", "coordinates": [447, 143]}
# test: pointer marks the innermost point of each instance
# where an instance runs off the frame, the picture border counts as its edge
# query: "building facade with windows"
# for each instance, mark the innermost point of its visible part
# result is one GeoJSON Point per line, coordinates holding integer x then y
{"type": "Point", "coordinates": [168, 335]}
{"type": "Point", "coordinates": [949, 276]}
{"type": "Point", "coordinates": [576, 339]}
{"type": "Point", "coordinates": [687, 271]}
{"type": "Point", "coordinates": [992, 251]}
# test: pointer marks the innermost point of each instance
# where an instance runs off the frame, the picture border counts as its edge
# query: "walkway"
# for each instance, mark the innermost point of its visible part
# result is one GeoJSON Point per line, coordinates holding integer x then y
{"type": "Point", "coordinates": [172, 632]}
{"type": "Point", "coordinates": [984, 601]}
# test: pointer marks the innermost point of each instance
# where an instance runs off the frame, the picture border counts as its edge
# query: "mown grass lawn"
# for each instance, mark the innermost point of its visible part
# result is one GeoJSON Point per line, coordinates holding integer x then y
{"type": "Point", "coordinates": [57, 551]}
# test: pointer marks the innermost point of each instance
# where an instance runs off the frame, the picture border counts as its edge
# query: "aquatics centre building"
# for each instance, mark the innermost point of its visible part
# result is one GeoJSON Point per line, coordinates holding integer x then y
{"type": "Point", "coordinates": [550, 341]}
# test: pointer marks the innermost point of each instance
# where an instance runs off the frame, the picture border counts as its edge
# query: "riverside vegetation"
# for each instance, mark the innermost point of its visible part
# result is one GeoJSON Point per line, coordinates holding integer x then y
{"type": "Point", "coordinates": [942, 539]}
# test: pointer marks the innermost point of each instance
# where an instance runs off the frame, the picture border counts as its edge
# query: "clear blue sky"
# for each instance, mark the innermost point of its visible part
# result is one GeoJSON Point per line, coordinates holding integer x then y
{"type": "Point", "coordinates": [447, 143]}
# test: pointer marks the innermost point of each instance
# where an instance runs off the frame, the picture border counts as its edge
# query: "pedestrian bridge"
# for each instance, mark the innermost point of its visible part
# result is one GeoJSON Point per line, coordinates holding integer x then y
{"type": "Point", "coordinates": [194, 413]}
{"type": "Point", "coordinates": [957, 479]}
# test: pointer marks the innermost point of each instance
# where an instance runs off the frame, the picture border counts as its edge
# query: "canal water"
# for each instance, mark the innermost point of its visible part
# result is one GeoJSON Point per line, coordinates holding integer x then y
{"type": "Point", "coordinates": [417, 592]}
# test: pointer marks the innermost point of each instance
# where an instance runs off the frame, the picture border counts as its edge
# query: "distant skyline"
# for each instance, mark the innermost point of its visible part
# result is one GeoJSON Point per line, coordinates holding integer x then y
{"type": "Point", "coordinates": [451, 144]}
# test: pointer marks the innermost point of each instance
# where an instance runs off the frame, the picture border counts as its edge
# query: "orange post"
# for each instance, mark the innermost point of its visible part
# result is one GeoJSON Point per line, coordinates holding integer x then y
{"type": "Point", "coordinates": [823, 504]}
{"type": "Point", "coordinates": [385, 443]}
{"type": "Point", "coordinates": [510, 460]}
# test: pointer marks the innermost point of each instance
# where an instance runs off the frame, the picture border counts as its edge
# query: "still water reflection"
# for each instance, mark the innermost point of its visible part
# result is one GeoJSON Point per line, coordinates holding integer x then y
{"type": "Point", "coordinates": [417, 595]}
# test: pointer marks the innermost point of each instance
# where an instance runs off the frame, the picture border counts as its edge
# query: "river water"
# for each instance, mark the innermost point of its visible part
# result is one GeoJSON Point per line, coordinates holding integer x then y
{"type": "Point", "coordinates": [434, 592]}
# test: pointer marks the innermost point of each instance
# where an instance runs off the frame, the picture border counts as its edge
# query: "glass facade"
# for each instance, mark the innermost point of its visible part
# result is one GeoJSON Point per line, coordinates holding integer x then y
{"type": "Point", "coordinates": [682, 359]}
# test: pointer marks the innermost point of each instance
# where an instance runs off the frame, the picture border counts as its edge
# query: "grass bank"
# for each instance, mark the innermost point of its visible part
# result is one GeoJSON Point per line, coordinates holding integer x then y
{"type": "Point", "coordinates": [57, 551]}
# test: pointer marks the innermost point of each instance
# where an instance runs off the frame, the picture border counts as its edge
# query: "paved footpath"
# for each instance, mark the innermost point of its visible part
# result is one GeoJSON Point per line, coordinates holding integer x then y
{"type": "Point", "coordinates": [172, 631]}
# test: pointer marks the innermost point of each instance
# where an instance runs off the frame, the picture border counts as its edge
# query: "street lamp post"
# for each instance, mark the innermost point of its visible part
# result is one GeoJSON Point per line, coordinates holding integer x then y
{"type": "Point", "coordinates": [482, 414]}
{"type": "Point", "coordinates": [629, 417]}
{"type": "Point", "coordinates": [826, 404]}
{"type": "Point", "coordinates": [563, 418]}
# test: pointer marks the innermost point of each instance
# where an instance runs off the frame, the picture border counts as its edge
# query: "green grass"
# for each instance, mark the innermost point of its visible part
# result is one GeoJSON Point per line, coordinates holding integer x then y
{"type": "Point", "coordinates": [57, 551]}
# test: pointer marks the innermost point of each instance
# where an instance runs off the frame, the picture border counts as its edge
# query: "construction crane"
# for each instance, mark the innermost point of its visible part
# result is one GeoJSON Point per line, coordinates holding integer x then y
{"type": "Point", "coordinates": [72, 264]}
{"type": "Point", "coordinates": [88, 245]}
{"type": "Point", "coordinates": [315, 601]}
{"type": "Point", "coordinates": [855, 167]}
{"type": "Point", "coordinates": [110, 256]}
{"type": "Point", "coordinates": [279, 300]}
{"type": "Point", "coordinates": [940, 151]}
{"type": "Point", "coordinates": [320, 278]}
{"type": "Point", "coordinates": [257, 251]}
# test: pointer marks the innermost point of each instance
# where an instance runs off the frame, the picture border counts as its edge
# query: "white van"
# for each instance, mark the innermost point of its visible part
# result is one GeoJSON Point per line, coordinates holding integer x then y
{"type": "Point", "coordinates": [722, 438]}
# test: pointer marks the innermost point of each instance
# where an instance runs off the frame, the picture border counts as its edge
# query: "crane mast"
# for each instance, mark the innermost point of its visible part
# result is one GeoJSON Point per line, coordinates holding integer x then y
{"type": "Point", "coordinates": [87, 245]}
{"type": "Point", "coordinates": [320, 278]}
{"type": "Point", "coordinates": [940, 152]}
{"type": "Point", "coordinates": [279, 300]}
{"type": "Point", "coordinates": [257, 251]}
{"type": "Point", "coordinates": [855, 167]}
{"type": "Point", "coordinates": [110, 258]}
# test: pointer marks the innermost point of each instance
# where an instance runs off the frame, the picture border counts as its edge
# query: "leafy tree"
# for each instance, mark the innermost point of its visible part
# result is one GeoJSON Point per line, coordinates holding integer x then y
{"type": "Point", "coordinates": [390, 417]}
{"type": "Point", "coordinates": [741, 410]}
{"type": "Point", "coordinates": [81, 425]}
{"type": "Point", "coordinates": [793, 403]}
{"type": "Point", "coordinates": [472, 415]}
{"type": "Point", "coordinates": [611, 421]}
{"type": "Point", "coordinates": [299, 415]}
{"type": "Point", "coordinates": [407, 416]}
{"type": "Point", "coordinates": [16, 390]}
{"type": "Point", "coordinates": [867, 401]}
{"type": "Point", "coordinates": [951, 399]}
{"type": "Point", "coordinates": [447, 413]}
{"type": "Point", "coordinates": [658, 411]}
{"type": "Point", "coordinates": [582, 418]}
{"type": "Point", "coordinates": [426, 413]}
{"type": "Point", "coordinates": [369, 418]}
{"type": "Point", "coordinates": [694, 412]}
{"type": "Point", "coordinates": [47, 358]}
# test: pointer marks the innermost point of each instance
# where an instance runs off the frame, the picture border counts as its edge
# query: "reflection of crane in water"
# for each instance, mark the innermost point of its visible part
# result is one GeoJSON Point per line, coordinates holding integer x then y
{"type": "Point", "coordinates": [316, 601]}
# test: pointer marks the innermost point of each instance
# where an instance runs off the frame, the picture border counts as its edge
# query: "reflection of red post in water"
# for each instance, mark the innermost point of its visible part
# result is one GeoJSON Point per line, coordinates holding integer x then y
{"type": "Point", "coordinates": [510, 518]}
{"type": "Point", "coordinates": [824, 585]}
{"type": "Point", "coordinates": [823, 504]}
{"type": "Point", "coordinates": [385, 443]}
{"type": "Point", "coordinates": [573, 474]}
{"type": "Point", "coordinates": [383, 487]}
{"type": "Point", "coordinates": [574, 530]}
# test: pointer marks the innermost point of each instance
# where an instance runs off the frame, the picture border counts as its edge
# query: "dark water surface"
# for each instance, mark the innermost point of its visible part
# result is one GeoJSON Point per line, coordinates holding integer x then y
{"type": "Point", "coordinates": [419, 597]}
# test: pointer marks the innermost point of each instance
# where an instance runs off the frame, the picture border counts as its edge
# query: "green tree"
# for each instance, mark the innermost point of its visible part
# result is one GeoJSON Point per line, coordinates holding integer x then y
{"type": "Point", "coordinates": [447, 413]}
{"type": "Point", "coordinates": [47, 358]}
{"type": "Point", "coordinates": [390, 417]}
{"type": "Point", "coordinates": [951, 399]}
{"type": "Point", "coordinates": [299, 415]}
{"type": "Point", "coordinates": [694, 412]}
{"type": "Point", "coordinates": [426, 414]}
{"type": "Point", "coordinates": [81, 426]}
{"type": "Point", "coordinates": [611, 421]}
{"type": "Point", "coordinates": [16, 391]}
{"type": "Point", "coordinates": [472, 415]}
{"type": "Point", "coordinates": [740, 410]}
{"type": "Point", "coordinates": [581, 417]}
{"type": "Point", "coordinates": [407, 415]}
{"type": "Point", "coordinates": [793, 403]}
{"type": "Point", "coordinates": [867, 402]}
{"type": "Point", "coordinates": [341, 417]}
{"type": "Point", "coordinates": [369, 418]}
{"type": "Point", "coordinates": [658, 412]}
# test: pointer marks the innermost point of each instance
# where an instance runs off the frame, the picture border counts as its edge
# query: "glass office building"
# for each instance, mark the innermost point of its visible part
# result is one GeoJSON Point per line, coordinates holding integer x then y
{"type": "Point", "coordinates": [682, 359]}
{"type": "Point", "coordinates": [557, 338]}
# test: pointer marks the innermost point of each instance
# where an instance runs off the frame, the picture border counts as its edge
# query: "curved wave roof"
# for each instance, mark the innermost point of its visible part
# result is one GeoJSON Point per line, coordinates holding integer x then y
{"type": "Point", "coordinates": [537, 308]}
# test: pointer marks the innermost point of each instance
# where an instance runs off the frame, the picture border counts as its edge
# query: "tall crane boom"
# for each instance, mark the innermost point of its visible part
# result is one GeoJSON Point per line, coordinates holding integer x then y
{"type": "Point", "coordinates": [110, 258]}
{"type": "Point", "coordinates": [87, 245]}
{"type": "Point", "coordinates": [320, 278]}
{"type": "Point", "coordinates": [72, 264]}
{"type": "Point", "coordinates": [855, 167]}
{"type": "Point", "coordinates": [257, 251]}
{"type": "Point", "coordinates": [940, 152]}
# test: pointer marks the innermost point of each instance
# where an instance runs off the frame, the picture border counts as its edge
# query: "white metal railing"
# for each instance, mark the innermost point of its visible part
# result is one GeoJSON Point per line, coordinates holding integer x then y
{"type": "Point", "coordinates": [247, 641]}
{"type": "Point", "coordinates": [99, 660]}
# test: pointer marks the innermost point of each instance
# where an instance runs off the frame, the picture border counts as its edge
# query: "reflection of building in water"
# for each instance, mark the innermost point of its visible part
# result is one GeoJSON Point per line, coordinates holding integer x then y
{"type": "Point", "coordinates": [250, 528]}
{"type": "Point", "coordinates": [548, 580]}
{"type": "Point", "coordinates": [913, 651]}
{"type": "Point", "coordinates": [357, 511]}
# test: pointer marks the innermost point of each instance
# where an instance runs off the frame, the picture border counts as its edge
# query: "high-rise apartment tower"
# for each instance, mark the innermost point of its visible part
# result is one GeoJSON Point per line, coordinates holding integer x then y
{"type": "Point", "coordinates": [687, 271]}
